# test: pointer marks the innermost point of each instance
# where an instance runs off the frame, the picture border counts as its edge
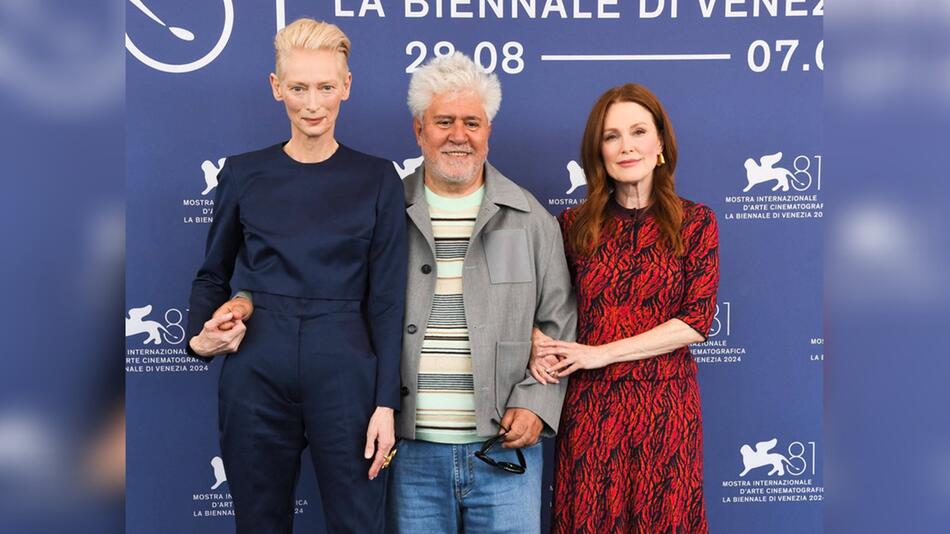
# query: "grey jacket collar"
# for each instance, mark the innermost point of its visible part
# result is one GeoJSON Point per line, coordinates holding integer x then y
{"type": "Point", "coordinates": [498, 189]}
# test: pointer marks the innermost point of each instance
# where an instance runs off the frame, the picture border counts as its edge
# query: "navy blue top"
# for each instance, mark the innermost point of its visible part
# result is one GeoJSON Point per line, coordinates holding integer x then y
{"type": "Point", "coordinates": [329, 230]}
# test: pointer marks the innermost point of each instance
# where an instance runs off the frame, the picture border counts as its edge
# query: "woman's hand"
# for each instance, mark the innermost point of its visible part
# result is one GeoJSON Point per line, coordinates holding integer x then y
{"type": "Point", "coordinates": [539, 366]}
{"type": "Point", "coordinates": [380, 436]}
{"type": "Point", "coordinates": [573, 356]}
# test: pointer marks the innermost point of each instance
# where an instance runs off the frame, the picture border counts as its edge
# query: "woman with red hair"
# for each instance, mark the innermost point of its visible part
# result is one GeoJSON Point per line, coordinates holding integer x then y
{"type": "Point", "coordinates": [645, 267]}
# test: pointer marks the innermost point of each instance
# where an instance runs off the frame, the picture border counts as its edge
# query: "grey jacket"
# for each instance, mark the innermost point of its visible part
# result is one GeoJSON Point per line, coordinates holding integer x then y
{"type": "Point", "coordinates": [515, 276]}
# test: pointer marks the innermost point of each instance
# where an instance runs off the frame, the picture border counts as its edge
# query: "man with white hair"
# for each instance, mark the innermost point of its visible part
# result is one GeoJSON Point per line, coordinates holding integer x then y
{"type": "Point", "coordinates": [486, 265]}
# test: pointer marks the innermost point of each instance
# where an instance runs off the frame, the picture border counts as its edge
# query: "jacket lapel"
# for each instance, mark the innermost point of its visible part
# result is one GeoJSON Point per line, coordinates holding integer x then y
{"type": "Point", "coordinates": [416, 207]}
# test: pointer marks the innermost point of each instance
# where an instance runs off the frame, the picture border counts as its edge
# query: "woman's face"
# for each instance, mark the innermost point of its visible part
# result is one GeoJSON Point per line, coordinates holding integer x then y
{"type": "Point", "coordinates": [312, 84]}
{"type": "Point", "coordinates": [631, 143]}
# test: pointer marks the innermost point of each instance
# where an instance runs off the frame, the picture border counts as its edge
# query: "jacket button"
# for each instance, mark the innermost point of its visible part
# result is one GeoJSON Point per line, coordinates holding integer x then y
{"type": "Point", "coordinates": [411, 329]}
{"type": "Point", "coordinates": [426, 269]}
{"type": "Point", "coordinates": [404, 391]}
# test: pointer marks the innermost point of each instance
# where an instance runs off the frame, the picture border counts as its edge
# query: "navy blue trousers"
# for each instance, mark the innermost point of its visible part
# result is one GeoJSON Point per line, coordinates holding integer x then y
{"type": "Point", "coordinates": [305, 374]}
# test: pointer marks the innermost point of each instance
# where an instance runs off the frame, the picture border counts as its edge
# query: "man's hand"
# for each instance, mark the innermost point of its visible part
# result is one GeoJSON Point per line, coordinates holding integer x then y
{"type": "Point", "coordinates": [523, 428]}
{"type": "Point", "coordinates": [241, 307]}
{"type": "Point", "coordinates": [380, 436]}
{"type": "Point", "coordinates": [212, 340]}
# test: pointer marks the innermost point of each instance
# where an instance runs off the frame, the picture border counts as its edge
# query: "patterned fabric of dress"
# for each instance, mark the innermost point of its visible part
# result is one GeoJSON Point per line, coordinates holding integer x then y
{"type": "Point", "coordinates": [629, 450]}
{"type": "Point", "coordinates": [633, 283]}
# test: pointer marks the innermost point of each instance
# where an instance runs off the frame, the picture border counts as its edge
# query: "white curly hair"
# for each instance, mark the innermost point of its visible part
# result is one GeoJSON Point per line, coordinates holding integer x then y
{"type": "Point", "coordinates": [454, 73]}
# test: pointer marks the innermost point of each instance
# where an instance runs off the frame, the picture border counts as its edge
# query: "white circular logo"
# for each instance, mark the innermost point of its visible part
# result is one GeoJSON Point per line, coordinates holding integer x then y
{"type": "Point", "coordinates": [185, 35]}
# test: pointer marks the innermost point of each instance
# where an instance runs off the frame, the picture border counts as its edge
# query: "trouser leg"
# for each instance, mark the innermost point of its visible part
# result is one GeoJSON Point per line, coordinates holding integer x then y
{"type": "Point", "coordinates": [423, 490]}
{"type": "Point", "coordinates": [498, 502]}
{"type": "Point", "coordinates": [338, 376]}
{"type": "Point", "coordinates": [261, 426]}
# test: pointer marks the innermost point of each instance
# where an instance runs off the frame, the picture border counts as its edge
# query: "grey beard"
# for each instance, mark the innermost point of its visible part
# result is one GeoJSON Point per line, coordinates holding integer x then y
{"type": "Point", "coordinates": [456, 180]}
{"type": "Point", "coordinates": [435, 170]}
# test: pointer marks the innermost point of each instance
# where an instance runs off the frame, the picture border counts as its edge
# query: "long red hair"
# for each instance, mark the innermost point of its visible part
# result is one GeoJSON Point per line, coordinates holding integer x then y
{"type": "Point", "coordinates": [667, 207]}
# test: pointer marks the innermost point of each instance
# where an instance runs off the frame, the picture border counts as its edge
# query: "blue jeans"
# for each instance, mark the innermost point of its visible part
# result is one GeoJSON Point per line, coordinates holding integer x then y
{"type": "Point", "coordinates": [440, 488]}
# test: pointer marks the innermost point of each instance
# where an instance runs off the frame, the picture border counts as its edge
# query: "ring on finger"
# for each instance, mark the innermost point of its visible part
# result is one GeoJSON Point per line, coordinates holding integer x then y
{"type": "Point", "coordinates": [389, 458]}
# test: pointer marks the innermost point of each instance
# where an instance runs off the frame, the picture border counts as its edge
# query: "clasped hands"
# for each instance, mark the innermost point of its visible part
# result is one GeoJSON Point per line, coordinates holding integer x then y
{"type": "Point", "coordinates": [223, 333]}
{"type": "Point", "coordinates": [552, 359]}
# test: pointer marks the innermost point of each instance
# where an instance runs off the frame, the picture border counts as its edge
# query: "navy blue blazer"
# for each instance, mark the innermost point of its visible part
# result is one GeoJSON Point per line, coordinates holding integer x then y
{"type": "Point", "coordinates": [329, 230]}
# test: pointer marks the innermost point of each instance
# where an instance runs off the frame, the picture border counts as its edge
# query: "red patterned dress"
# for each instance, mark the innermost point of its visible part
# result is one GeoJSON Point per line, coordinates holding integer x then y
{"type": "Point", "coordinates": [629, 448]}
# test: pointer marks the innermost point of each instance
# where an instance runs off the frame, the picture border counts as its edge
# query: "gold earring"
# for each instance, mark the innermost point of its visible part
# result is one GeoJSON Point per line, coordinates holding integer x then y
{"type": "Point", "coordinates": [660, 160]}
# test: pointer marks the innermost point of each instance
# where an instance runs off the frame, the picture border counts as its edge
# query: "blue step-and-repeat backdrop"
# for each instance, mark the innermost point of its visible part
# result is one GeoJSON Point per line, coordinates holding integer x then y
{"type": "Point", "coordinates": [742, 82]}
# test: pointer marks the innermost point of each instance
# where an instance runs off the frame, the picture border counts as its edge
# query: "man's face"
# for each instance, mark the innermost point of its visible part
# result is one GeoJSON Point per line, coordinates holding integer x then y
{"type": "Point", "coordinates": [453, 134]}
{"type": "Point", "coordinates": [312, 83]}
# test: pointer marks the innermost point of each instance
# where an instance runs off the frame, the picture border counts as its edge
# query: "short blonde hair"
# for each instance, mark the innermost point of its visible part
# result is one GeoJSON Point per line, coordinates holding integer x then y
{"type": "Point", "coordinates": [311, 34]}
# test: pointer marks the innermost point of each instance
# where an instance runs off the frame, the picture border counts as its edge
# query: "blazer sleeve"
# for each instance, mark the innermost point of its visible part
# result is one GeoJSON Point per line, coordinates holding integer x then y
{"type": "Point", "coordinates": [386, 290]}
{"type": "Point", "coordinates": [556, 315]}
{"type": "Point", "coordinates": [212, 285]}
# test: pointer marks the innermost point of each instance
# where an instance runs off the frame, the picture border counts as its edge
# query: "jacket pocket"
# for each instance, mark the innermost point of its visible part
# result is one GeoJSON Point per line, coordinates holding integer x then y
{"type": "Point", "coordinates": [509, 261]}
{"type": "Point", "coordinates": [511, 364]}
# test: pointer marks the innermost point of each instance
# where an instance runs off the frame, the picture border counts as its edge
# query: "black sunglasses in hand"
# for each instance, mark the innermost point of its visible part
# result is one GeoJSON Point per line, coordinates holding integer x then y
{"type": "Point", "coordinates": [482, 454]}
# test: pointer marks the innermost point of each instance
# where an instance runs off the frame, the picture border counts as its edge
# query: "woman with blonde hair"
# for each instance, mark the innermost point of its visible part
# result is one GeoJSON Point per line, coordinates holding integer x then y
{"type": "Point", "coordinates": [316, 233]}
